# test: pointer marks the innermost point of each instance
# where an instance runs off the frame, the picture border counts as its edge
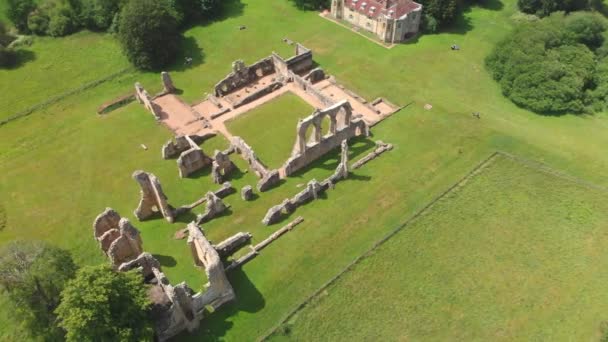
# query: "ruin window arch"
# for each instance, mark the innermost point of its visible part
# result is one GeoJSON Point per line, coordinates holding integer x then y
{"type": "Point", "coordinates": [310, 132]}
{"type": "Point", "coordinates": [326, 125]}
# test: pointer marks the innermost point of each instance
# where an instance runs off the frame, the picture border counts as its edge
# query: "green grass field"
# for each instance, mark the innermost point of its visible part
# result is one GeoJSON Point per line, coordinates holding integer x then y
{"type": "Point", "coordinates": [512, 254]}
{"type": "Point", "coordinates": [273, 122]}
{"type": "Point", "coordinates": [55, 66]}
{"type": "Point", "coordinates": [62, 165]}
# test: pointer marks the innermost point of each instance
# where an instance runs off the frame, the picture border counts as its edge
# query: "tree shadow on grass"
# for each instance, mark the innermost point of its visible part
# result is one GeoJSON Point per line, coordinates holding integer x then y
{"type": "Point", "coordinates": [165, 260]}
{"type": "Point", "coordinates": [189, 49]}
{"type": "Point", "coordinates": [229, 9]}
{"type": "Point", "coordinates": [248, 299]}
{"type": "Point", "coordinates": [462, 22]}
{"type": "Point", "coordinates": [22, 57]}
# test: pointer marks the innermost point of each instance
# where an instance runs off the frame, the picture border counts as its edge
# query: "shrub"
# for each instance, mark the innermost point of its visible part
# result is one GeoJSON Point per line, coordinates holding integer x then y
{"type": "Point", "coordinates": [545, 7]}
{"type": "Point", "coordinates": [147, 31]}
{"type": "Point", "coordinates": [38, 22]}
{"type": "Point", "coordinates": [54, 18]}
{"type": "Point", "coordinates": [18, 11]}
{"type": "Point", "coordinates": [550, 66]}
{"type": "Point", "coordinates": [62, 22]}
{"type": "Point", "coordinates": [97, 15]}
{"type": "Point", "coordinates": [307, 4]}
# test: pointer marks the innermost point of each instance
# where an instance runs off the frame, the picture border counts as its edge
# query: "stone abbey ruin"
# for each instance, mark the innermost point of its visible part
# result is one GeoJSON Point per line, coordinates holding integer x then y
{"type": "Point", "coordinates": [178, 307]}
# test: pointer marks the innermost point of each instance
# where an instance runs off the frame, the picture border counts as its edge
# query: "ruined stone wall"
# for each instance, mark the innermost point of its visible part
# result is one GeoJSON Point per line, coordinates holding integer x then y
{"type": "Point", "coordinates": [172, 149]}
{"type": "Point", "coordinates": [191, 161]}
{"type": "Point", "coordinates": [243, 75]}
{"type": "Point", "coordinates": [219, 290]}
{"type": "Point", "coordinates": [117, 238]}
{"type": "Point", "coordinates": [258, 94]}
{"type": "Point", "coordinates": [152, 198]}
{"type": "Point", "coordinates": [280, 65]}
{"type": "Point", "coordinates": [315, 75]}
{"type": "Point", "coordinates": [249, 155]}
{"type": "Point", "coordinates": [311, 192]}
{"type": "Point", "coordinates": [302, 61]}
{"type": "Point", "coordinates": [308, 87]}
{"type": "Point", "coordinates": [342, 127]}
{"type": "Point", "coordinates": [142, 96]}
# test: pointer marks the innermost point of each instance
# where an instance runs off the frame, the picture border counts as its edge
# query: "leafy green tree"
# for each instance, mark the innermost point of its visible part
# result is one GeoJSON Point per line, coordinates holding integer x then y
{"type": "Point", "coordinates": [18, 11]}
{"type": "Point", "coordinates": [543, 8]}
{"type": "Point", "coordinates": [307, 4]}
{"type": "Point", "coordinates": [103, 305]}
{"type": "Point", "coordinates": [38, 22]}
{"type": "Point", "coordinates": [551, 66]}
{"type": "Point", "coordinates": [62, 21]}
{"type": "Point", "coordinates": [148, 33]}
{"type": "Point", "coordinates": [209, 8]}
{"type": "Point", "coordinates": [33, 274]}
{"type": "Point", "coordinates": [53, 17]}
{"type": "Point", "coordinates": [443, 11]}
{"type": "Point", "coordinates": [96, 15]}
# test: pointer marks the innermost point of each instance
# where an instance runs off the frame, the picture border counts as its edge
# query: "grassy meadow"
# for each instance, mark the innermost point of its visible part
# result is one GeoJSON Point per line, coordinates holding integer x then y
{"type": "Point", "coordinates": [514, 253]}
{"type": "Point", "coordinates": [273, 122]}
{"type": "Point", "coordinates": [62, 165]}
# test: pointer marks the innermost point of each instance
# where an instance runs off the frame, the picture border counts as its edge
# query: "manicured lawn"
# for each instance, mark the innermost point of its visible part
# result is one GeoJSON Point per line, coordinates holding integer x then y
{"type": "Point", "coordinates": [513, 254]}
{"type": "Point", "coordinates": [54, 66]}
{"type": "Point", "coordinates": [63, 165]}
{"type": "Point", "coordinates": [271, 128]}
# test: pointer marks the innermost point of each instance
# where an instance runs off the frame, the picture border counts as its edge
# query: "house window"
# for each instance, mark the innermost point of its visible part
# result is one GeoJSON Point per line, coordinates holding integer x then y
{"type": "Point", "coordinates": [398, 25]}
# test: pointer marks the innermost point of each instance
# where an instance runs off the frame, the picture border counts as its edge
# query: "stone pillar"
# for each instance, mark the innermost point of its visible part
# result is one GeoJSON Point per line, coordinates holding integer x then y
{"type": "Point", "coordinates": [317, 132]}
{"type": "Point", "coordinates": [347, 116]}
{"type": "Point", "coordinates": [300, 139]}
{"type": "Point", "coordinates": [168, 86]}
{"type": "Point", "coordinates": [332, 124]}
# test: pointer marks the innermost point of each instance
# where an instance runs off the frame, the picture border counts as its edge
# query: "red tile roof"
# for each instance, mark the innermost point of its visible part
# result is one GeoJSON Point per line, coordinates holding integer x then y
{"type": "Point", "coordinates": [373, 8]}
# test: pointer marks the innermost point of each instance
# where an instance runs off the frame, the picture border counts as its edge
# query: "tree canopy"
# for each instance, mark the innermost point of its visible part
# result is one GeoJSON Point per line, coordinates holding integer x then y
{"type": "Point", "coordinates": [148, 33]}
{"type": "Point", "coordinates": [103, 305]}
{"type": "Point", "coordinates": [543, 8]}
{"type": "Point", "coordinates": [18, 10]}
{"type": "Point", "coordinates": [555, 65]}
{"type": "Point", "coordinates": [33, 274]}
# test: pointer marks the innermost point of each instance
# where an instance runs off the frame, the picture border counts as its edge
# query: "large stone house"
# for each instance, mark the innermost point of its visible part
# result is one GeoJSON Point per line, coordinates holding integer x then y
{"type": "Point", "coordinates": [392, 21]}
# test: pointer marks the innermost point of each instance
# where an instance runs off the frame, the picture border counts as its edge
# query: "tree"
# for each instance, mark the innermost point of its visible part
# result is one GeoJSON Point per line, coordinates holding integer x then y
{"type": "Point", "coordinates": [96, 15]}
{"type": "Point", "coordinates": [103, 305]}
{"type": "Point", "coordinates": [543, 8]}
{"type": "Point", "coordinates": [551, 66]}
{"type": "Point", "coordinates": [33, 275]}
{"type": "Point", "coordinates": [310, 5]}
{"type": "Point", "coordinates": [148, 33]}
{"type": "Point", "coordinates": [18, 11]}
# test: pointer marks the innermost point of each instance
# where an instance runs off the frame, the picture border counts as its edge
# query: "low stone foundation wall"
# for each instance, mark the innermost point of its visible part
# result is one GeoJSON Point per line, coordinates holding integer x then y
{"type": "Point", "coordinates": [258, 94]}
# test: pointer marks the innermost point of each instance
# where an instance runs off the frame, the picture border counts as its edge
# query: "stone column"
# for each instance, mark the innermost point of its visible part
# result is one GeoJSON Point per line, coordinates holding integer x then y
{"type": "Point", "coordinates": [332, 124]}
{"type": "Point", "coordinates": [317, 132]}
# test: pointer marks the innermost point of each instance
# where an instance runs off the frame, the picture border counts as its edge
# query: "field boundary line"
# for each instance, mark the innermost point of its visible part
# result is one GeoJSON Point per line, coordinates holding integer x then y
{"type": "Point", "coordinates": [57, 98]}
{"type": "Point", "coordinates": [535, 165]}
{"type": "Point", "coordinates": [542, 167]}
{"type": "Point", "coordinates": [380, 242]}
